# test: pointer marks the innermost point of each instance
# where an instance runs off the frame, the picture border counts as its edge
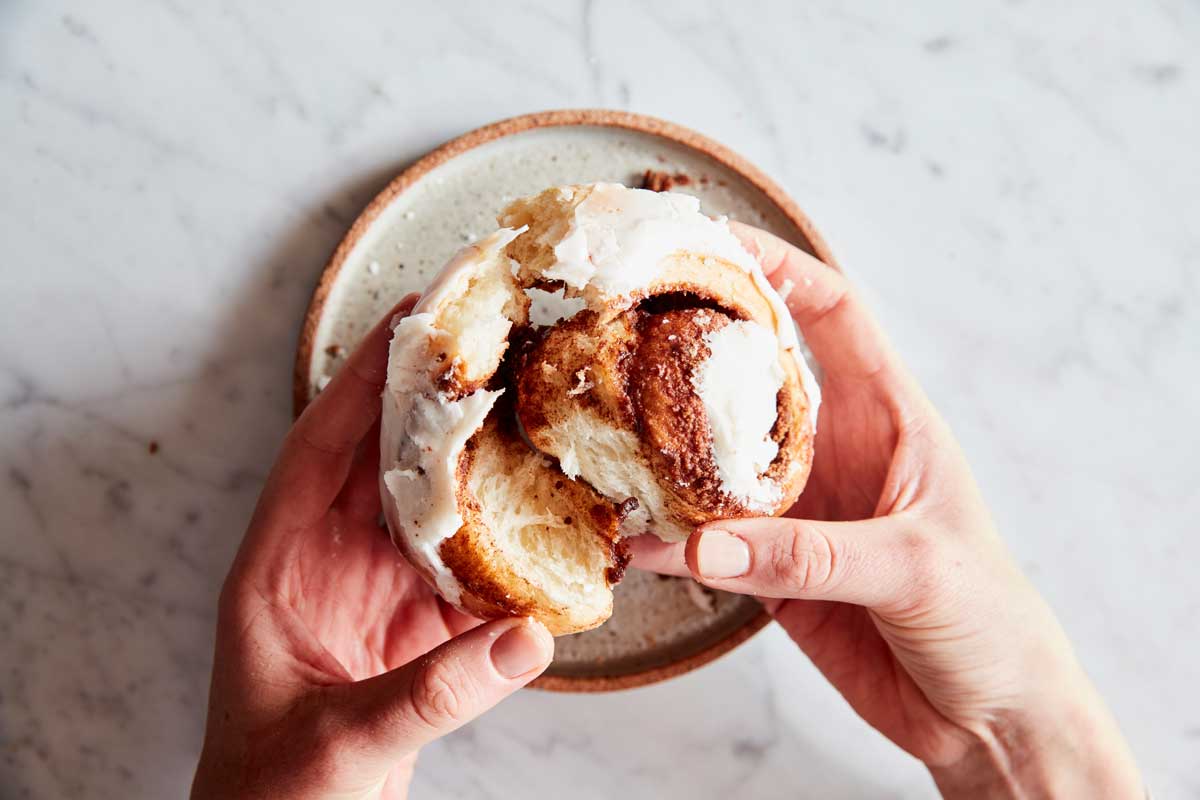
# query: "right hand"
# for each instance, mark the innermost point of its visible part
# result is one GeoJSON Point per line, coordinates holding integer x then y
{"type": "Point", "coordinates": [890, 575]}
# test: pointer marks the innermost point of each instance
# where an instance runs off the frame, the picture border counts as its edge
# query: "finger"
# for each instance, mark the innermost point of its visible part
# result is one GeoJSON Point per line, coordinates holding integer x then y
{"type": "Point", "coordinates": [652, 554]}
{"type": "Point", "coordinates": [457, 622]}
{"type": "Point", "coordinates": [844, 337]}
{"type": "Point", "coordinates": [878, 563]}
{"type": "Point", "coordinates": [360, 498]}
{"type": "Point", "coordinates": [397, 712]}
{"type": "Point", "coordinates": [838, 638]}
{"type": "Point", "coordinates": [317, 453]}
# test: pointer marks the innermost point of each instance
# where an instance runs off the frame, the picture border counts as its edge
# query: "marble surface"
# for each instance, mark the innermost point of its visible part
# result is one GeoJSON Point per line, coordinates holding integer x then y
{"type": "Point", "coordinates": [1015, 185]}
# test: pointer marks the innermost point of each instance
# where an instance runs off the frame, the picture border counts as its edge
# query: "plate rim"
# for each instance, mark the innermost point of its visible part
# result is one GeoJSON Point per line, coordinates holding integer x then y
{"type": "Point", "coordinates": [594, 117]}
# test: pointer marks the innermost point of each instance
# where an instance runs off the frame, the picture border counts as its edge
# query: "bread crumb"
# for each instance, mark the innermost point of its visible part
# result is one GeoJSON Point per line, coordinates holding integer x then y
{"type": "Point", "coordinates": [153, 447]}
{"type": "Point", "coordinates": [334, 350]}
{"type": "Point", "coordinates": [785, 288]}
{"type": "Point", "coordinates": [373, 268]}
{"type": "Point", "coordinates": [409, 214]}
{"type": "Point", "coordinates": [659, 181]}
{"type": "Point", "coordinates": [583, 385]}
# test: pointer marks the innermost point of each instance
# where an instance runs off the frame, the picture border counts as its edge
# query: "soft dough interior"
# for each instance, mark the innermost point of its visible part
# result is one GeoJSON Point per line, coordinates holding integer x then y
{"type": "Point", "coordinates": [535, 520]}
{"type": "Point", "coordinates": [611, 460]}
{"type": "Point", "coordinates": [477, 322]}
{"type": "Point", "coordinates": [525, 518]}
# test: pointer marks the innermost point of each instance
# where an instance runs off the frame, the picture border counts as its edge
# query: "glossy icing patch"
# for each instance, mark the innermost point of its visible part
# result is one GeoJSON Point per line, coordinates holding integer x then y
{"type": "Point", "coordinates": [738, 384]}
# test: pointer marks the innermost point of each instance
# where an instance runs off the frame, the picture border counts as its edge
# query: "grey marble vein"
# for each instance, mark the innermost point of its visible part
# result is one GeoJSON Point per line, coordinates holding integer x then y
{"type": "Point", "coordinates": [1013, 185]}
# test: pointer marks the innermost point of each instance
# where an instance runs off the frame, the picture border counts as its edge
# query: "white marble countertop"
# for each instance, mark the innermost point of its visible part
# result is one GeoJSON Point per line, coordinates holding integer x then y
{"type": "Point", "coordinates": [1015, 185]}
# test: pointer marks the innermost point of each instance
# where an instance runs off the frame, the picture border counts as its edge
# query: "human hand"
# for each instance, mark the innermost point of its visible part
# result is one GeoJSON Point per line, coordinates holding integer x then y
{"type": "Point", "coordinates": [334, 661]}
{"type": "Point", "coordinates": [889, 574]}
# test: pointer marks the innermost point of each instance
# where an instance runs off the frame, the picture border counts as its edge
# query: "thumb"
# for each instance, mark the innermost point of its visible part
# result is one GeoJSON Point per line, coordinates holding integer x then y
{"type": "Point", "coordinates": [873, 563]}
{"type": "Point", "coordinates": [394, 714]}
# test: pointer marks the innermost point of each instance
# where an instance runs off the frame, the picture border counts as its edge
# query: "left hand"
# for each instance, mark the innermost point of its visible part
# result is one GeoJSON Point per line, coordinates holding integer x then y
{"type": "Point", "coordinates": [334, 660]}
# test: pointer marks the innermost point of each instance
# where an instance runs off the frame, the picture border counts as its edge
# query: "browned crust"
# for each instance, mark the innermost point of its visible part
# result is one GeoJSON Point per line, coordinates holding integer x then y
{"type": "Point", "coordinates": [793, 463]}
{"type": "Point", "coordinates": [470, 555]}
{"type": "Point", "coordinates": [491, 588]}
{"type": "Point", "coordinates": [806, 236]}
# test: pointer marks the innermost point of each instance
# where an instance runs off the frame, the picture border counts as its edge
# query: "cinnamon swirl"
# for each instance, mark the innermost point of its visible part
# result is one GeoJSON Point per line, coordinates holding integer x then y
{"type": "Point", "coordinates": [515, 457]}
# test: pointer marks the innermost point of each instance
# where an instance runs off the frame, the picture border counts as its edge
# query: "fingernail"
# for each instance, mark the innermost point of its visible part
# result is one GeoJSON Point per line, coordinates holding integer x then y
{"type": "Point", "coordinates": [519, 649]}
{"type": "Point", "coordinates": [720, 554]}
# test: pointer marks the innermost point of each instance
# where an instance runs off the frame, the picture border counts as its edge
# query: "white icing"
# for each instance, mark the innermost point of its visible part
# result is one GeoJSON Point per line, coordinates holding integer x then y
{"type": "Point", "coordinates": [421, 480]}
{"type": "Point", "coordinates": [619, 237]}
{"type": "Point", "coordinates": [738, 384]}
{"type": "Point", "coordinates": [423, 430]}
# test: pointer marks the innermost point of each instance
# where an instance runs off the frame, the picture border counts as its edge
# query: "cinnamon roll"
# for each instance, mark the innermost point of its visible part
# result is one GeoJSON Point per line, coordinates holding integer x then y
{"type": "Point", "coordinates": [515, 457]}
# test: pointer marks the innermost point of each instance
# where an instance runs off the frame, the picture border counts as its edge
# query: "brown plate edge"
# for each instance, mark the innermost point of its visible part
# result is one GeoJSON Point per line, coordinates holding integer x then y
{"type": "Point", "coordinates": [507, 127]}
{"type": "Point", "coordinates": [632, 680]}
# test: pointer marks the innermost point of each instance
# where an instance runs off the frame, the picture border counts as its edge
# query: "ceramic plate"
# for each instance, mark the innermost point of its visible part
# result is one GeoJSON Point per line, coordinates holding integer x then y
{"type": "Point", "coordinates": [660, 626]}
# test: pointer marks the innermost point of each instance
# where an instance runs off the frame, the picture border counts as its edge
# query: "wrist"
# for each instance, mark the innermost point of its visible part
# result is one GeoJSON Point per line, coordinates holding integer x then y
{"type": "Point", "coordinates": [230, 776]}
{"type": "Point", "coordinates": [1066, 747]}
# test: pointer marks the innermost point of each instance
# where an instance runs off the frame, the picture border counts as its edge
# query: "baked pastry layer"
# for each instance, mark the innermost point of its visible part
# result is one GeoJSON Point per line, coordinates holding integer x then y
{"type": "Point", "coordinates": [515, 458]}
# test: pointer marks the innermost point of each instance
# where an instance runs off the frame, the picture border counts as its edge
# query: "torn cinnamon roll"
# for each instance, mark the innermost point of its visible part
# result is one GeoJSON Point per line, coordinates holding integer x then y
{"type": "Point", "coordinates": [515, 458]}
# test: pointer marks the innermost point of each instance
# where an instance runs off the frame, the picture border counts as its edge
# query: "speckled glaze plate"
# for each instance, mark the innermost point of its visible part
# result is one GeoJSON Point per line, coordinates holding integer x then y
{"type": "Point", "coordinates": [660, 627]}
